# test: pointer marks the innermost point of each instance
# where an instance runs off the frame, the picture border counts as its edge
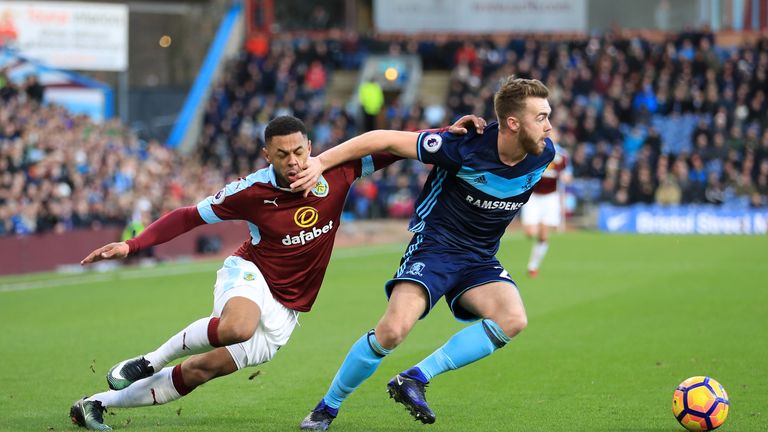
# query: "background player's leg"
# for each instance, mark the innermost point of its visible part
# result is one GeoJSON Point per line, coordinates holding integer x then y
{"type": "Point", "coordinates": [530, 230]}
{"type": "Point", "coordinates": [539, 250]}
{"type": "Point", "coordinates": [504, 316]}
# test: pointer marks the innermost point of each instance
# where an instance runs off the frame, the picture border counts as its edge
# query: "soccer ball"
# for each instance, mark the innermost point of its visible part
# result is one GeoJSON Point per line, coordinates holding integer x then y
{"type": "Point", "coordinates": [700, 404]}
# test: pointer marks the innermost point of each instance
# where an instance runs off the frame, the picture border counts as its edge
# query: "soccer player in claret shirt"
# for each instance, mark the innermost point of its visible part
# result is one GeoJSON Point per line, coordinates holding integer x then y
{"type": "Point", "coordinates": [477, 186]}
{"type": "Point", "coordinates": [543, 211]}
{"type": "Point", "coordinates": [260, 290]}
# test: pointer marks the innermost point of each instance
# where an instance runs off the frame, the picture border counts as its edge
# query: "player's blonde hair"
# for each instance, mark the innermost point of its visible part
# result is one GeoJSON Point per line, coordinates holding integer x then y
{"type": "Point", "coordinates": [511, 98]}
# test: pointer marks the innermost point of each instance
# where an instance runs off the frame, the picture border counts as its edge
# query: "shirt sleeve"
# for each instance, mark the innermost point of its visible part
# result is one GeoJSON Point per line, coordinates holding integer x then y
{"type": "Point", "coordinates": [226, 204]}
{"type": "Point", "coordinates": [367, 165]}
{"type": "Point", "coordinates": [441, 149]}
{"type": "Point", "coordinates": [168, 227]}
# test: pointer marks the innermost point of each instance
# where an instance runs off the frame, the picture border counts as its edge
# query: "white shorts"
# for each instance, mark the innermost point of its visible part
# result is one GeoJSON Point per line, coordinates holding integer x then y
{"type": "Point", "coordinates": [542, 209]}
{"type": "Point", "coordinates": [241, 278]}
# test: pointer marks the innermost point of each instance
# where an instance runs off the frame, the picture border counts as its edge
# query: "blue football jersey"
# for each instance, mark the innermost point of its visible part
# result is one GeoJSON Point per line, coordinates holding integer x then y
{"type": "Point", "coordinates": [470, 196]}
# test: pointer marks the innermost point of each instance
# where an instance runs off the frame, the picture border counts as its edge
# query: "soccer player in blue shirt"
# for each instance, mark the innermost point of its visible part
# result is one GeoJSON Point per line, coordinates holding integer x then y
{"type": "Point", "coordinates": [478, 184]}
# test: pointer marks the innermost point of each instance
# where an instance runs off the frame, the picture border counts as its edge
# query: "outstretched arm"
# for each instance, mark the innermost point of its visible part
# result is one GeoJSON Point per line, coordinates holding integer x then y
{"type": "Point", "coordinates": [162, 230]}
{"type": "Point", "coordinates": [398, 143]}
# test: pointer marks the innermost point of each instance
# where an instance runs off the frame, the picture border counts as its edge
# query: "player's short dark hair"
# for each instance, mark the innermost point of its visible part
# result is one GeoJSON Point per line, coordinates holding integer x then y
{"type": "Point", "coordinates": [511, 98]}
{"type": "Point", "coordinates": [284, 125]}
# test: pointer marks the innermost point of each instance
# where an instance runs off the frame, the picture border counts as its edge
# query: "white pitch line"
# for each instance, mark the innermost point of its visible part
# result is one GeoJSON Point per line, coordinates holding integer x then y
{"type": "Point", "coordinates": [165, 271]}
{"type": "Point", "coordinates": [48, 283]}
{"type": "Point", "coordinates": [172, 270]}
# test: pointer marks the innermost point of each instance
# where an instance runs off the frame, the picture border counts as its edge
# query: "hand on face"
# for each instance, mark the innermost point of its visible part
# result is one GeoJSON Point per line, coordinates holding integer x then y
{"type": "Point", "coordinates": [288, 155]}
{"type": "Point", "coordinates": [308, 177]}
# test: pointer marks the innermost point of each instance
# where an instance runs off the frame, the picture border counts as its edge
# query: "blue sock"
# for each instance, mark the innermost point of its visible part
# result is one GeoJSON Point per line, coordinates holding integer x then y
{"type": "Point", "coordinates": [361, 362]}
{"type": "Point", "coordinates": [467, 346]}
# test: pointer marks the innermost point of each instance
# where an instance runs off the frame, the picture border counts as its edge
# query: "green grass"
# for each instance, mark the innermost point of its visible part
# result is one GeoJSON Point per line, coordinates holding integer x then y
{"type": "Point", "coordinates": [615, 323]}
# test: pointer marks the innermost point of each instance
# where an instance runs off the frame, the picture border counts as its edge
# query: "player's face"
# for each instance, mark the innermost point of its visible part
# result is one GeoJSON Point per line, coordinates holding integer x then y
{"type": "Point", "coordinates": [535, 125]}
{"type": "Point", "coordinates": [288, 155]}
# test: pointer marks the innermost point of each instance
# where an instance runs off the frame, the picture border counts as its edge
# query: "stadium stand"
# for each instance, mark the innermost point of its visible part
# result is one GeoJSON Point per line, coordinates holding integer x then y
{"type": "Point", "coordinates": [61, 172]}
{"type": "Point", "coordinates": [682, 120]}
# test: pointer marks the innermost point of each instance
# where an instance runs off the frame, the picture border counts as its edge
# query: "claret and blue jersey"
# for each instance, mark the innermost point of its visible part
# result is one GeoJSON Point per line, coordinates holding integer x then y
{"type": "Point", "coordinates": [291, 237]}
{"type": "Point", "coordinates": [470, 197]}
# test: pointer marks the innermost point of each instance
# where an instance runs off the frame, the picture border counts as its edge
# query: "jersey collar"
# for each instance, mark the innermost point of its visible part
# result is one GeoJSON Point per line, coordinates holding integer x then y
{"type": "Point", "coordinates": [273, 179]}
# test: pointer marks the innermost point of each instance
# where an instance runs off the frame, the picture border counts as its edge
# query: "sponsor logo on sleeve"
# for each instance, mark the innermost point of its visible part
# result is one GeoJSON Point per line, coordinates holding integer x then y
{"type": "Point", "coordinates": [219, 197]}
{"type": "Point", "coordinates": [432, 142]}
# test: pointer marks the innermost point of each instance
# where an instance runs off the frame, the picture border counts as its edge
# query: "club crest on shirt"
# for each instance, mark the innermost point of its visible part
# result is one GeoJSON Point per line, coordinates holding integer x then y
{"type": "Point", "coordinates": [321, 188]}
{"type": "Point", "coordinates": [432, 142]}
{"type": "Point", "coordinates": [528, 181]}
{"type": "Point", "coordinates": [416, 269]}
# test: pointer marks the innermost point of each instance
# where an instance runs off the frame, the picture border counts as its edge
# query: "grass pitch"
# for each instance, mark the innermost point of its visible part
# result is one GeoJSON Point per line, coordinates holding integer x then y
{"type": "Point", "coordinates": [615, 323]}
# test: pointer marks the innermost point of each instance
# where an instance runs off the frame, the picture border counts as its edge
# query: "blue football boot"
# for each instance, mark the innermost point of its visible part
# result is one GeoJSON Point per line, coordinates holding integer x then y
{"type": "Point", "coordinates": [410, 393]}
{"type": "Point", "coordinates": [320, 417]}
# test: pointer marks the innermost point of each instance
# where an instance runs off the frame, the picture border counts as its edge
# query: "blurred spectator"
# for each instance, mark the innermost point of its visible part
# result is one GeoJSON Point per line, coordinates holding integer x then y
{"type": "Point", "coordinates": [33, 89]}
{"type": "Point", "coordinates": [315, 79]}
{"type": "Point", "coordinates": [401, 200]}
{"type": "Point", "coordinates": [319, 19]}
{"type": "Point", "coordinates": [714, 193]}
{"type": "Point", "coordinates": [372, 100]}
{"type": "Point", "coordinates": [642, 187]}
{"type": "Point", "coordinates": [7, 89]}
{"type": "Point", "coordinates": [668, 193]}
{"type": "Point", "coordinates": [363, 198]}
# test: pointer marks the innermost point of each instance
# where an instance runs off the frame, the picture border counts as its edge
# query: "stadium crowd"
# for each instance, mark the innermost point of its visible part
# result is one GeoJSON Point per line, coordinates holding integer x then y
{"type": "Point", "coordinates": [60, 172]}
{"type": "Point", "coordinates": [682, 121]}
{"type": "Point", "coordinates": [679, 121]}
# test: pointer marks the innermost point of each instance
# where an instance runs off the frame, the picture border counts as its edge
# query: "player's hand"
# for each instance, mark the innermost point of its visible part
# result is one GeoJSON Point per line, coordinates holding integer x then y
{"type": "Point", "coordinates": [463, 124]}
{"type": "Point", "coordinates": [110, 251]}
{"type": "Point", "coordinates": [307, 178]}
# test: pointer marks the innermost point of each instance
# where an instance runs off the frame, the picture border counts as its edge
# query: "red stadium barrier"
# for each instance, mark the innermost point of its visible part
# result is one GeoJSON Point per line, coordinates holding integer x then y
{"type": "Point", "coordinates": [47, 252]}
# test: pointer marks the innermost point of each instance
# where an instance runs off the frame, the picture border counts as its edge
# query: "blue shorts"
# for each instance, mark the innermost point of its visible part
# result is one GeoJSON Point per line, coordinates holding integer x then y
{"type": "Point", "coordinates": [446, 271]}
